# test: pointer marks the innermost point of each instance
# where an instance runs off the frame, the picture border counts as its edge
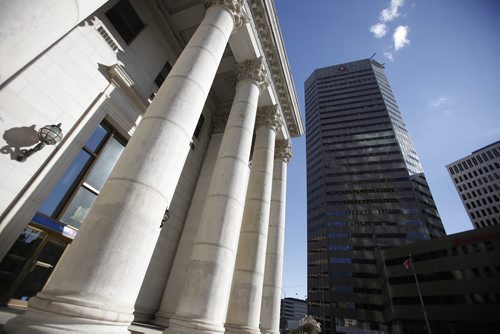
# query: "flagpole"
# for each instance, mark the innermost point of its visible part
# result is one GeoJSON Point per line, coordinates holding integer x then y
{"type": "Point", "coordinates": [420, 295]}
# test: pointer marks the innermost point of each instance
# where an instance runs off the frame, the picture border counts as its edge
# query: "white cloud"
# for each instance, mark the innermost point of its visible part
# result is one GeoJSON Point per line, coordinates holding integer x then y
{"type": "Point", "coordinates": [400, 37]}
{"type": "Point", "coordinates": [389, 14]}
{"type": "Point", "coordinates": [379, 30]}
{"type": "Point", "coordinates": [439, 101]}
{"type": "Point", "coordinates": [389, 55]}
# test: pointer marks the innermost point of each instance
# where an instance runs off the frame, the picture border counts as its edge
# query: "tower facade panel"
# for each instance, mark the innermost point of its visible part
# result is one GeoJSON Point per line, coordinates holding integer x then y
{"type": "Point", "coordinates": [366, 192]}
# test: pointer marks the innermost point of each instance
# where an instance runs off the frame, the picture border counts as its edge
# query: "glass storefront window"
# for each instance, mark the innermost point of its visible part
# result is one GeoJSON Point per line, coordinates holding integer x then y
{"type": "Point", "coordinates": [30, 262]}
{"type": "Point", "coordinates": [18, 258]}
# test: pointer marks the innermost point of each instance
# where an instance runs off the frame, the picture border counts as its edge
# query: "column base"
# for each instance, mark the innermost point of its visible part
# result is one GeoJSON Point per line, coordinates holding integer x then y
{"type": "Point", "coordinates": [162, 319]}
{"type": "Point", "coordinates": [192, 326]}
{"type": "Point", "coordinates": [143, 316]}
{"type": "Point", "coordinates": [235, 329]}
{"type": "Point", "coordinates": [39, 322]}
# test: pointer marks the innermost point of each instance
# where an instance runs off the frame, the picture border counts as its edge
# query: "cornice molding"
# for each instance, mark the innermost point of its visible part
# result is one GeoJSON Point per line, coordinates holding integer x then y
{"type": "Point", "coordinates": [120, 78]}
{"type": "Point", "coordinates": [267, 27]}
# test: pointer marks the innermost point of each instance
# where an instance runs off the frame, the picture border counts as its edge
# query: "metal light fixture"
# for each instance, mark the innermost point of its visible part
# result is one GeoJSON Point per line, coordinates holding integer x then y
{"type": "Point", "coordinates": [48, 135]}
{"type": "Point", "coordinates": [166, 215]}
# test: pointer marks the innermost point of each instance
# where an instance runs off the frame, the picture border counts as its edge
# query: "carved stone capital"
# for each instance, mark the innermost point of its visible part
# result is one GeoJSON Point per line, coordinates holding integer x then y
{"type": "Point", "coordinates": [252, 70]}
{"type": "Point", "coordinates": [268, 116]}
{"type": "Point", "coordinates": [283, 150]}
{"type": "Point", "coordinates": [219, 124]}
{"type": "Point", "coordinates": [234, 7]}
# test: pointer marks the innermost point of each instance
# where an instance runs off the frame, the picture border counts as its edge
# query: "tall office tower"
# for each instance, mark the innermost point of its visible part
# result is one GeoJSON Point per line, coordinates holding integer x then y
{"type": "Point", "coordinates": [477, 180]}
{"type": "Point", "coordinates": [366, 192]}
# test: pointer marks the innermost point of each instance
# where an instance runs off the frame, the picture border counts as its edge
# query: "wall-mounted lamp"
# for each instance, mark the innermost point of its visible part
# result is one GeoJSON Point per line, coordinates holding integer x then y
{"type": "Point", "coordinates": [166, 215]}
{"type": "Point", "coordinates": [48, 135]}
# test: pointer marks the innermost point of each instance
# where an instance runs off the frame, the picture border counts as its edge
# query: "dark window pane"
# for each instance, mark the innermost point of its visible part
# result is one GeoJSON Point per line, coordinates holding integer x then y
{"type": "Point", "coordinates": [97, 138]}
{"type": "Point", "coordinates": [163, 74]}
{"type": "Point", "coordinates": [79, 207]}
{"type": "Point", "coordinates": [105, 163]}
{"type": "Point", "coordinates": [20, 253]}
{"type": "Point", "coordinates": [199, 126]}
{"type": "Point", "coordinates": [69, 178]}
{"type": "Point", "coordinates": [125, 20]}
{"type": "Point", "coordinates": [40, 273]}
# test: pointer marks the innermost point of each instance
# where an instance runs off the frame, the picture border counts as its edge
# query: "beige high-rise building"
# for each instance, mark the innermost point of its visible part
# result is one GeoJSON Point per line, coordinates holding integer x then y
{"type": "Point", "coordinates": [477, 180]}
{"type": "Point", "coordinates": [144, 164]}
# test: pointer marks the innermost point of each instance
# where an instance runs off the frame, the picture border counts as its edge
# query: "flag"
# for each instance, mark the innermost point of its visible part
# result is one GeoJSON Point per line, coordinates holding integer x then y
{"type": "Point", "coordinates": [408, 263]}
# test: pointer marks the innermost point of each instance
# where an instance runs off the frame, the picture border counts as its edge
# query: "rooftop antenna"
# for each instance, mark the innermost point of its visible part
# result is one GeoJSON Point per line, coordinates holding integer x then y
{"type": "Point", "coordinates": [373, 55]}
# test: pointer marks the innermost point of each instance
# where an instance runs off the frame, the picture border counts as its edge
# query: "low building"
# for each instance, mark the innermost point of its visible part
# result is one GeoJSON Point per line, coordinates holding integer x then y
{"type": "Point", "coordinates": [477, 180]}
{"type": "Point", "coordinates": [459, 280]}
{"type": "Point", "coordinates": [291, 312]}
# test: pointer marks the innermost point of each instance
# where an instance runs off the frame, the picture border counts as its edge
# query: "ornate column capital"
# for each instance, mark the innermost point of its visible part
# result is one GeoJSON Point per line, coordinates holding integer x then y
{"type": "Point", "coordinates": [252, 70]}
{"type": "Point", "coordinates": [219, 124]}
{"type": "Point", "coordinates": [268, 116]}
{"type": "Point", "coordinates": [283, 150]}
{"type": "Point", "coordinates": [234, 7]}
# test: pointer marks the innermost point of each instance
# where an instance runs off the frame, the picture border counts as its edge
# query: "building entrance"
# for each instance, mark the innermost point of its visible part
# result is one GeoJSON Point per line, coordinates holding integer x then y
{"type": "Point", "coordinates": [29, 264]}
{"type": "Point", "coordinates": [31, 260]}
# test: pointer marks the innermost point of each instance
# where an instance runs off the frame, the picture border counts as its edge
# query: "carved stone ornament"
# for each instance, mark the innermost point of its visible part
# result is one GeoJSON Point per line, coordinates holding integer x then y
{"type": "Point", "coordinates": [268, 116]}
{"type": "Point", "coordinates": [283, 150]}
{"type": "Point", "coordinates": [235, 7]}
{"type": "Point", "coordinates": [252, 70]}
{"type": "Point", "coordinates": [219, 124]}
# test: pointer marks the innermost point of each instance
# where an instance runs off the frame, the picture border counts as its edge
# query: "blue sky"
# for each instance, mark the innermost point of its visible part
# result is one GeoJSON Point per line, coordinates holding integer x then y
{"type": "Point", "coordinates": [442, 62]}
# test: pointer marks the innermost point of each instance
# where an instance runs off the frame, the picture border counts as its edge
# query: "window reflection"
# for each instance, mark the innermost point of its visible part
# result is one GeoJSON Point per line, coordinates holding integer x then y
{"type": "Point", "coordinates": [74, 194]}
{"type": "Point", "coordinates": [104, 165]}
{"type": "Point", "coordinates": [79, 207]}
{"type": "Point", "coordinates": [29, 235]}
{"type": "Point", "coordinates": [65, 183]}
{"type": "Point", "coordinates": [96, 138]}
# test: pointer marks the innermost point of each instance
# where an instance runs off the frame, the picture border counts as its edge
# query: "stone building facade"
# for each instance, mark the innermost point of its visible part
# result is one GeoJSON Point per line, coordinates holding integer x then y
{"type": "Point", "coordinates": [169, 183]}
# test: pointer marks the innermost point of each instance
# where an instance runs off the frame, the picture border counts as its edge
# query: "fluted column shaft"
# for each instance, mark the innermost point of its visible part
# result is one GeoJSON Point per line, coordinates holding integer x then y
{"type": "Point", "coordinates": [246, 292]}
{"type": "Point", "coordinates": [204, 298]}
{"type": "Point", "coordinates": [95, 285]}
{"type": "Point", "coordinates": [271, 294]}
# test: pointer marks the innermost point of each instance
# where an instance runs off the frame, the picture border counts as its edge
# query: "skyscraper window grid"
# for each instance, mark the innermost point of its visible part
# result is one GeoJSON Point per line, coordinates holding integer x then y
{"type": "Point", "coordinates": [366, 192]}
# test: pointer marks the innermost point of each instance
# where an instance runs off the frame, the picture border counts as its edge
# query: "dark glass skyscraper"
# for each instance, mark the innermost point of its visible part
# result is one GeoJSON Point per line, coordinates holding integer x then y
{"type": "Point", "coordinates": [366, 192]}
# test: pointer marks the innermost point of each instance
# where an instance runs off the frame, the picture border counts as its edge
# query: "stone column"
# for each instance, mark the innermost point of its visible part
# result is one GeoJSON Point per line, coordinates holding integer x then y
{"type": "Point", "coordinates": [203, 303]}
{"type": "Point", "coordinates": [95, 285]}
{"type": "Point", "coordinates": [246, 292]}
{"type": "Point", "coordinates": [271, 294]}
{"type": "Point", "coordinates": [179, 270]}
